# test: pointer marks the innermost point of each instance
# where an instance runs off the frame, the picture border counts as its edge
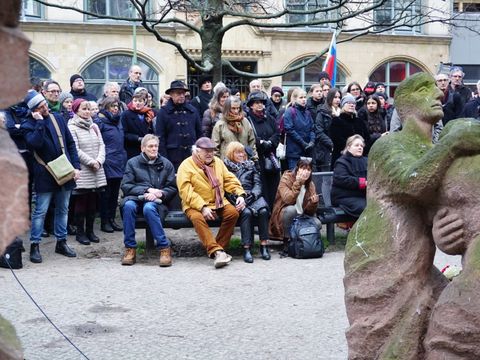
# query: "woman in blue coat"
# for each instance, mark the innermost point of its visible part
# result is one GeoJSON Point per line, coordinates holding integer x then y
{"type": "Point", "coordinates": [115, 160]}
{"type": "Point", "coordinates": [298, 124]}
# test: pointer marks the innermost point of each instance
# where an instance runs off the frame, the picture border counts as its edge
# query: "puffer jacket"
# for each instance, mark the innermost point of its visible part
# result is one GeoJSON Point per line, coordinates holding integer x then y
{"type": "Point", "coordinates": [140, 175]}
{"type": "Point", "coordinates": [195, 189]}
{"type": "Point", "coordinates": [90, 148]}
{"type": "Point", "coordinates": [248, 176]}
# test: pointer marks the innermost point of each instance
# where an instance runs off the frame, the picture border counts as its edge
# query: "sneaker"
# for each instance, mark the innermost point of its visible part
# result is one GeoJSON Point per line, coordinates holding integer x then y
{"type": "Point", "coordinates": [165, 257]}
{"type": "Point", "coordinates": [221, 259]}
{"type": "Point", "coordinates": [129, 257]}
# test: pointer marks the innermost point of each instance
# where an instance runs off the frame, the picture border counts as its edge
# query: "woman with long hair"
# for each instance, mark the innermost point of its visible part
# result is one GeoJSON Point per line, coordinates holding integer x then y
{"type": "Point", "coordinates": [372, 116]}
{"type": "Point", "coordinates": [322, 152]}
{"type": "Point", "coordinates": [355, 89]}
{"type": "Point", "coordinates": [256, 207]}
{"type": "Point", "coordinates": [233, 127]}
{"type": "Point", "coordinates": [214, 111]}
{"type": "Point", "coordinates": [296, 194]}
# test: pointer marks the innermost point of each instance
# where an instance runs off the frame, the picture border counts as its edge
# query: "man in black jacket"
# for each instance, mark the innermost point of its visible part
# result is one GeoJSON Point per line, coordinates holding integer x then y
{"type": "Point", "coordinates": [134, 81]}
{"type": "Point", "coordinates": [148, 183]}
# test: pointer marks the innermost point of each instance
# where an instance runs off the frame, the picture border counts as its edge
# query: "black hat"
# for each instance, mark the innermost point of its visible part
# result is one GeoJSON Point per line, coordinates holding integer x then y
{"type": "Point", "coordinates": [203, 79]}
{"type": "Point", "coordinates": [176, 85]}
{"type": "Point", "coordinates": [323, 75]}
{"type": "Point", "coordinates": [379, 84]}
{"type": "Point", "coordinates": [256, 96]}
{"type": "Point", "coordinates": [276, 89]}
{"type": "Point", "coordinates": [75, 77]}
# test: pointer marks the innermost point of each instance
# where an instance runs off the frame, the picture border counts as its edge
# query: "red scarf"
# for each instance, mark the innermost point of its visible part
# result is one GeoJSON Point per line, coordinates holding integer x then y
{"type": "Point", "coordinates": [147, 111]}
{"type": "Point", "coordinates": [212, 178]}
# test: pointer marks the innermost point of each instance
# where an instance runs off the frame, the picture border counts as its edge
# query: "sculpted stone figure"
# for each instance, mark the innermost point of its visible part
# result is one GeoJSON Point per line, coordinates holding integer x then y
{"type": "Point", "coordinates": [390, 282]}
{"type": "Point", "coordinates": [454, 328]}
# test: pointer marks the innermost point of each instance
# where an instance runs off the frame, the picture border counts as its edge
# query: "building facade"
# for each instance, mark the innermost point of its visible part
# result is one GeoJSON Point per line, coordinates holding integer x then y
{"type": "Point", "coordinates": [66, 42]}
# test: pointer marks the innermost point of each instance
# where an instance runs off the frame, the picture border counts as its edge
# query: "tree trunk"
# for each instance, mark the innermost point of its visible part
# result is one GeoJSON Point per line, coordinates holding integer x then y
{"type": "Point", "coordinates": [212, 39]}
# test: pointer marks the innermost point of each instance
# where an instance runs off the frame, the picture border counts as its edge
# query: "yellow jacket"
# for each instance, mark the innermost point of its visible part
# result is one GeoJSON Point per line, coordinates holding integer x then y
{"type": "Point", "coordinates": [195, 189]}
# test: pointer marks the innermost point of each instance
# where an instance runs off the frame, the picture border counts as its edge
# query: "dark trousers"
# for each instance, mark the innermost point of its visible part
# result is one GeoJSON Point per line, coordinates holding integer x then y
{"type": "Point", "coordinates": [246, 225]}
{"type": "Point", "coordinates": [109, 199]}
{"type": "Point", "coordinates": [270, 181]}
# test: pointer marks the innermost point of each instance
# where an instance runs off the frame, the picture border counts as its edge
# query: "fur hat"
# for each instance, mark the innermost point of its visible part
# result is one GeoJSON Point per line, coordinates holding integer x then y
{"type": "Point", "coordinates": [75, 77]}
{"type": "Point", "coordinates": [33, 99]}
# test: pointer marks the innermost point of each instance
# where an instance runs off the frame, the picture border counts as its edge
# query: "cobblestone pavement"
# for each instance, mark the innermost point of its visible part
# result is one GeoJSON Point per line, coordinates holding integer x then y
{"type": "Point", "coordinates": [278, 309]}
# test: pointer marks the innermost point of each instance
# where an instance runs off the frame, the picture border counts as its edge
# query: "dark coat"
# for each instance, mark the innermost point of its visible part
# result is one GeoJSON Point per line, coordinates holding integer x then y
{"type": "Point", "coordinates": [201, 101]}
{"type": "Point", "coordinates": [248, 176]}
{"type": "Point", "coordinates": [472, 109]}
{"type": "Point", "coordinates": [376, 123]}
{"type": "Point", "coordinates": [127, 89]}
{"type": "Point", "coordinates": [14, 116]}
{"type": "Point", "coordinates": [113, 137]}
{"type": "Point", "coordinates": [342, 128]}
{"type": "Point", "coordinates": [299, 129]}
{"type": "Point", "coordinates": [83, 95]}
{"type": "Point", "coordinates": [178, 127]}
{"type": "Point", "coordinates": [287, 194]}
{"type": "Point", "coordinates": [135, 128]}
{"type": "Point", "coordinates": [41, 137]}
{"type": "Point", "coordinates": [314, 106]}
{"type": "Point", "coordinates": [349, 184]}
{"type": "Point", "coordinates": [322, 152]}
{"type": "Point", "coordinates": [465, 95]}
{"type": "Point", "coordinates": [266, 130]}
{"type": "Point", "coordinates": [452, 104]}
{"type": "Point", "coordinates": [140, 176]}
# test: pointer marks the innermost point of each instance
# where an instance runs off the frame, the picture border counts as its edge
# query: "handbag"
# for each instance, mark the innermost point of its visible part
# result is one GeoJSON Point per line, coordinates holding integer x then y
{"type": "Point", "coordinates": [272, 164]}
{"type": "Point", "coordinates": [60, 168]}
{"type": "Point", "coordinates": [258, 204]}
{"type": "Point", "coordinates": [281, 151]}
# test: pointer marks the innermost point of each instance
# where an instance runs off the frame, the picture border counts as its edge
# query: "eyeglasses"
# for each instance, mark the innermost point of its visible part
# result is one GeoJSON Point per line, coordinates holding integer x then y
{"type": "Point", "coordinates": [354, 89]}
{"type": "Point", "coordinates": [54, 91]}
{"type": "Point", "coordinates": [457, 76]}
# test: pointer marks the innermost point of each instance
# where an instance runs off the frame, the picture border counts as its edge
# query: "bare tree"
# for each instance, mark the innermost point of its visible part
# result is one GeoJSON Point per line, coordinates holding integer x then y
{"type": "Point", "coordinates": [206, 19]}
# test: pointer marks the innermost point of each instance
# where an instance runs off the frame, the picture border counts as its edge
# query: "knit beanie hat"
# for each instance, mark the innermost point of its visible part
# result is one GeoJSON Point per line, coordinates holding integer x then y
{"type": "Point", "coordinates": [33, 99]}
{"type": "Point", "coordinates": [347, 99]}
{"type": "Point", "coordinates": [277, 89]}
{"type": "Point", "coordinates": [75, 77]}
{"type": "Point", "coordinates": [323, 75]}
{"type": "Point", "coordinates": [76, 104]}
{"type": "Point", "coordinates": [64, 96]}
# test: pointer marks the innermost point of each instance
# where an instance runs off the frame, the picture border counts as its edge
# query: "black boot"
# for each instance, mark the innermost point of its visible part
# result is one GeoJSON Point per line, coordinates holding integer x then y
{"type": "Point", "coordinates": [35, 256]}
{"type": "Point", "coordinates": [115, 226]}
{"type": "Point", "coordinates": [45, 233]}
{"type": "Point", "coordinates": [247, 255]}
{"type": "Point", "coordinates": [89, 228]}
{"type": "Point", "coordinates": [63, 249]}
{"type": "Point", "coordinates": [81, 237]}
{"type": "Point", "coordinates": [264, 252]}
{"type": "Point", "coordinates": [106, 226]}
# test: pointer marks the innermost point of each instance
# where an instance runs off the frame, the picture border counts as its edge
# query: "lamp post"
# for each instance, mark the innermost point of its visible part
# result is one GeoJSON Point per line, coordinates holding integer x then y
{"type": "Point", "coordinates": [134, 36]}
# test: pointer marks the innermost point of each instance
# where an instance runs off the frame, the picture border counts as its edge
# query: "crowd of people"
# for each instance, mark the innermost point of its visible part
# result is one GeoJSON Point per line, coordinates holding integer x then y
{"type": "Point", "coordinates": [218, 153]}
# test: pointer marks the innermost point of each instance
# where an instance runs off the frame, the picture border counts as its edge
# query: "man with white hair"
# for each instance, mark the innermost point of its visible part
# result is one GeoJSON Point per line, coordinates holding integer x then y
{"type": "Point", "coordinates": [451, 100]}
{"type": "Point", "coordinates": [456, 83]}
{"type": "Point", "coordinates": [128, 87]}
{"type": "Point", "coordinates": [112, 89]}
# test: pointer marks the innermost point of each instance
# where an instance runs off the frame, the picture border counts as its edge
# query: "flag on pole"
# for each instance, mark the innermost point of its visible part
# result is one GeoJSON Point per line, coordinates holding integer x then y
{"type": "Point", "coordinates": [330, 64]}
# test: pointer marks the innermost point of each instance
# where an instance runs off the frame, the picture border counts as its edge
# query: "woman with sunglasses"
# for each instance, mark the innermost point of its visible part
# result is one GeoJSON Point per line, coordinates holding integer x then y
{"type": "Point", "coordinates": [296, 194]}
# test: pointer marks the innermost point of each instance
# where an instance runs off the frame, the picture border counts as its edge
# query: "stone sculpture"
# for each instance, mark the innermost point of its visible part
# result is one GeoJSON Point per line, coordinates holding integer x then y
{"type": "Point", "coordinates": [13, 175]}
{"type": "Point", "coordinates": [390, 282]}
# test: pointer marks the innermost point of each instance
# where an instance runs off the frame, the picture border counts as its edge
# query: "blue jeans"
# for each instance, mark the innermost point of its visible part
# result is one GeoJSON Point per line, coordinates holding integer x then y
{"type": "Point", "coordinates": [151, 215]}
{"type": "Point", "coordinates": [291, 163]}
{"type": "Point", "coordinates": [42, 201]}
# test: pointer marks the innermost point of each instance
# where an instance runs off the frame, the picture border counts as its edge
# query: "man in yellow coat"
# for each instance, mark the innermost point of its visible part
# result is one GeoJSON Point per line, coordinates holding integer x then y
{"type": "Point", "coordinates": [202, 180]}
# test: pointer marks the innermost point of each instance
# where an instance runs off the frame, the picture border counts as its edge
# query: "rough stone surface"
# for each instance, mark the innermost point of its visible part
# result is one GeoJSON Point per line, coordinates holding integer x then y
{"type": "Point", "coordinates": [454, 330]}
{"type": "Point", "coordinates": [390, 282]}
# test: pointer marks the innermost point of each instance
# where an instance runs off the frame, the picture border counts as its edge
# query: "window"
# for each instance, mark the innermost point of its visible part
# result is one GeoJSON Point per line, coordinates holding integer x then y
{"type": "Point", "coordinates": [115, 68]}
{"type": "Point", "coordinates": [118, 8]}
{"type": "Point", "coordinates": [472, 7]}
{"type": "Point", "coordinates": [308, 75]}
{"type": "Point", "coordinates": [392, 73]}
{"type": "Point", "coordinates": [230, 79]}
{"type": "Point", "coordinates": [37, 69]}
{"type": "Point", "coordinates": [309, 5]}
{"type": "Point", "coordinates": [31, 9]}
{"type": "Point", "coordinates": [392, 10]}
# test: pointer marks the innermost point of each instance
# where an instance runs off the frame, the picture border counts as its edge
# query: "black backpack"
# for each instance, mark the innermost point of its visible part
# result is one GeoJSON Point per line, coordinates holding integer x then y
{"type": "Point", "coordinates": [305, 240]}
{"type": "Point", "coordinates": [14, 250]}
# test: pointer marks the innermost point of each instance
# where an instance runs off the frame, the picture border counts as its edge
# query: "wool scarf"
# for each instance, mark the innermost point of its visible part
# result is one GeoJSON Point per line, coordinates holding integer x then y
{"type": "Point", "coordinates": [234, 122]}
{"type": "Point", "coordinates": [147, 111]}
{"type": "Point", "coordinates": [212, 178]}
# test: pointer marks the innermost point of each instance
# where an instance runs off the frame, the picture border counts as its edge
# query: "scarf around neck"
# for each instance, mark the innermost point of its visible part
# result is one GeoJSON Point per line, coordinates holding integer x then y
{"type": "Point", "coordinates": [234, 122]}
{"type": "Point", "coordinates": [146, 111]}
{"type": "Point", "coordinates": [83, 123]}
{"type": "Point", "coordinates": [212, 179]}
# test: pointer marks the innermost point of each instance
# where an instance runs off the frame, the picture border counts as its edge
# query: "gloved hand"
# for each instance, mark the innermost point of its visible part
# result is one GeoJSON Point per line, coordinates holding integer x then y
{"type": "Point", "coordinates": [309, 146]}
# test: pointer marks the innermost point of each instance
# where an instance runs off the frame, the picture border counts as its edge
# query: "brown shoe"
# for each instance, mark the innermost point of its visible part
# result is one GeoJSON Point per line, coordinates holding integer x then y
{"type": "Point", "coordinates": [165, 257]}
{"type": "Point", "coordinates": [129, 257]}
